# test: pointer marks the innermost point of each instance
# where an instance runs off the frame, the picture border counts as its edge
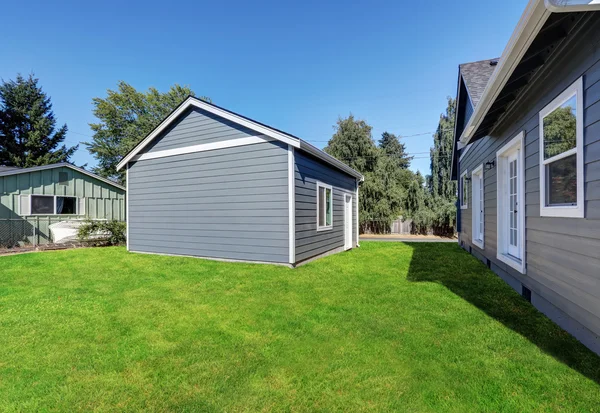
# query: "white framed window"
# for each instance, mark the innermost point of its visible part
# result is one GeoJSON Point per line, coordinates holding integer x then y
{"type": "Point", "coordinates": [324, 207]}
{"type": "Point", "coordinates": [510, 161]}
{"type": "Point", "coordinates": [51, 205]}
{"type": "Point", "coordinates": [478, 210]}
{"type": "Point", "coordinates": [561, 155]}
{"type": "Point", "coordinates": [464, 191]}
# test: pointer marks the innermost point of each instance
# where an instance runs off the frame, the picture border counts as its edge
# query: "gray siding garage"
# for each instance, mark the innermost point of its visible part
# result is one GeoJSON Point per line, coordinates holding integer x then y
{"type": "Point", "coordinates": [560, 248]}
{"type": "Point", "coordinates": [210, 183]}
{"type": "Point", "coordinates": [309, 241]}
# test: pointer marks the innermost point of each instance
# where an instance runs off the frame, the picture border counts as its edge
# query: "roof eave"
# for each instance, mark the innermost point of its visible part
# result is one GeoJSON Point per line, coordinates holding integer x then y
{"type": "Point", "coordinates": [324, 156]}
{"type": "Point", "coordinates": [530, 24]}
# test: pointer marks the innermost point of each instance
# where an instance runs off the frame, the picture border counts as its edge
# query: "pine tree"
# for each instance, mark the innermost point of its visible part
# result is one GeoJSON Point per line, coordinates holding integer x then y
{"type": "Point", "coordinates": [441, 155]}
{"type": "Point", "coordinates": [27, 126]}
{"type": "Point", "coordinates": [394, 149]}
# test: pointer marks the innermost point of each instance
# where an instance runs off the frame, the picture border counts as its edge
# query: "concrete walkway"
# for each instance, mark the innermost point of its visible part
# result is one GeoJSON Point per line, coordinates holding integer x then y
{"type": "Point", "coordinates": [406, 238]}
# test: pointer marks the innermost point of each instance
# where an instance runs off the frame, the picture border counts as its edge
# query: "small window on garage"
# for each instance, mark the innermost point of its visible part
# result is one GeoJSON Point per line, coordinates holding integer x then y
{"type": "Point", "coordinates": [42, 204]}
{"type": "Point", "coordinates": [324, 207]}
{"type": "Point", "coordinates": [66, 205]}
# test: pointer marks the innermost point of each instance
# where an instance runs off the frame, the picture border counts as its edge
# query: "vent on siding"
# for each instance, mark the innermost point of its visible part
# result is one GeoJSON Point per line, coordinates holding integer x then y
{"type": "Point", "coordinates": [526, 293]}
{"type": "Point", "coordinates": [63, 178]}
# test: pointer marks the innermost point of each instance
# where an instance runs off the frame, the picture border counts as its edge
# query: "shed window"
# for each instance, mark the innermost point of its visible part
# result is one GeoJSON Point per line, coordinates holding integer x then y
{"type": "Point", "coordinates": [561, 155]}
{"type": "Point", "coordinates": [42, 205]}
{"type": "Point", "coordinates": [324, 207]}
{"type": "Point", "coordinates": [63, 178]}
{"type": "Point", "coordinates": [51, 205]}
{"type": "Point", "coordinates": [66, 205]}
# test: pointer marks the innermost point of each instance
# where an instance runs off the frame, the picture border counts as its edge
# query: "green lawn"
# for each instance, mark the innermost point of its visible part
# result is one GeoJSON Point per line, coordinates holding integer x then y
{"type": "Point", "coordinates": [389, 326]}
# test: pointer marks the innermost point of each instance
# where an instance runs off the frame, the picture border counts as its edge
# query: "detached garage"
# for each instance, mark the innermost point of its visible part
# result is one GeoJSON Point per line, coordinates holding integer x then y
{"type": "Point", "coordinates": [210, 183]}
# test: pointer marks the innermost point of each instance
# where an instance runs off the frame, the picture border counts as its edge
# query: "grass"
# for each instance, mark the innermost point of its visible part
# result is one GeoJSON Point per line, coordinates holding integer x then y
{"type": "Point", "coordinates": [390, 326]}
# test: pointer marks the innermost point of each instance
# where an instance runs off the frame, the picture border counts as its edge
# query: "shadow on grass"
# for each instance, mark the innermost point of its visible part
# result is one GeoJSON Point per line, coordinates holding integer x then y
{"type": "Point", "coordinates": [467, 277]}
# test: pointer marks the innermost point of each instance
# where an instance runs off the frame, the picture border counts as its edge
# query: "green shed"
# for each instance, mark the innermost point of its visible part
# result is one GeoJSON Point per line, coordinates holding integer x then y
{"type": "Point", "coordinates": [35, 202]}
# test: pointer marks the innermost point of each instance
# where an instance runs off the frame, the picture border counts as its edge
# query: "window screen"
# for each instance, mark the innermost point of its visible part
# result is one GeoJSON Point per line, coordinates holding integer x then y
{"type": "Point", "coordinates": [324, 207]}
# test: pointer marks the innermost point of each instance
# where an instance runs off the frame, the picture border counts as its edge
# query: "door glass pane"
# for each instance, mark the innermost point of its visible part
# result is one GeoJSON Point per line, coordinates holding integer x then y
{"type": "Point", "coordinates": [560, 129]}
{"type": "Point", "coordinates": [561, 178]}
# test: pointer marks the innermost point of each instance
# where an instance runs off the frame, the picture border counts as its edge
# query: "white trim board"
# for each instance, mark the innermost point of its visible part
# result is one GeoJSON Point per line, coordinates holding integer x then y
{"type": "Point", "coordinates": [292, 204]}
{"type": "Point", "coordinates": [462, 187]}
{"type": "Point", "coordinates": [215, 110]}
{"type": "Point", "coordinates": [230, 143]}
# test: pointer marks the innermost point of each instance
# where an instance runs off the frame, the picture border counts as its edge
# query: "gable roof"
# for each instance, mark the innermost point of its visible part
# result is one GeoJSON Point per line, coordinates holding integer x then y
{"type": "Point", "coordinates": [269, 131]}
{"type": "Point", "coordinates": [476, 76]}
{"type": "Point", "coordinates": [17, 171]}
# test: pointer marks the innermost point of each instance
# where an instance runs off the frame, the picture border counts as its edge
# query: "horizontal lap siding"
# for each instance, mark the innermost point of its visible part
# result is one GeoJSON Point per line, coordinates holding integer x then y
{"type": "Point", "coordinates": [562, 254]}
{"type": "Point", "coordinates": [227, 203]}
{"type": "Point", "coordinates": [197, 127]}
{"type": "Point", "coordinates": [309, 241]}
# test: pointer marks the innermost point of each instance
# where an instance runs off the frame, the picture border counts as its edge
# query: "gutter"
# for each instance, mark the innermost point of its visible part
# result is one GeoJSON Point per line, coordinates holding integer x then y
{"type": "Point", "coordinates": [531, 23]}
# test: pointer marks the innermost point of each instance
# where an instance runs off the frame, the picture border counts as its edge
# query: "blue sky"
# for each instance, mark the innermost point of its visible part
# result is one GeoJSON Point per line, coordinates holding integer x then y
{"type": "Point", "coordinates": [297, 66]}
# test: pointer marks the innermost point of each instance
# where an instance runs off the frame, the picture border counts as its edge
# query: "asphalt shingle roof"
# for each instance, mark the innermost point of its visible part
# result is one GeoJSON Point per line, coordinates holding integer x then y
{"type": "Point", "coordinates": [7, 168]}
{"type": "Point", "coordinates": [476, 76]}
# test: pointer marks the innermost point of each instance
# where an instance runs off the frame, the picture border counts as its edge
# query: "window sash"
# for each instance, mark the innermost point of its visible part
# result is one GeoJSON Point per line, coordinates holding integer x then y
{"type": "Point", "coordinates": [324, 207]}
{"type": "Point", "coordinates": [575, 210]}
{"type": "Point", "coordinates": [78, 204]}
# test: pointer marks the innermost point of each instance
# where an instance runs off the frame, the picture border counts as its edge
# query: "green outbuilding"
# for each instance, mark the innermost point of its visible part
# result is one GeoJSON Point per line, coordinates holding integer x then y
{"type": "Point", "coordinates": [46, 204]}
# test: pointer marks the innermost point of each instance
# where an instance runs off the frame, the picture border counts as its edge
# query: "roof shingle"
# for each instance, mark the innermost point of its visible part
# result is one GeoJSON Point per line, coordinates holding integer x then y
{"type": "Point", "coordinates": [476, 76]}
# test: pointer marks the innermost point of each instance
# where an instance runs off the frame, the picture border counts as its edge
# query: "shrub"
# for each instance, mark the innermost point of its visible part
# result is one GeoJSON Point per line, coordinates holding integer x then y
{"type": "Point", "coordinates": [112, 232]}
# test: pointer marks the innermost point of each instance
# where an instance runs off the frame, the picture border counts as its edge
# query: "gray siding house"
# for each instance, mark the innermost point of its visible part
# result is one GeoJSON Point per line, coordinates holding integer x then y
{"type": "Point", "coordinates": [527, 157]}
{"type": "Point", "coordinates": [210, 183]}
{"type": "Point", "coordinates": [33, 199]}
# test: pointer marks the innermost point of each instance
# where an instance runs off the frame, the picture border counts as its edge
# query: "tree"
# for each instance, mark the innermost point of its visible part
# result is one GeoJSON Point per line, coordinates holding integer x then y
{"type": "Point", "coordinates": [27, 126]}
{"type": "Point", "coordinates": [441, 155]}
{"type": "Point", "coordinates": [353, 144]}
{"type": "Point", "coordinates": [126, 116]}
{"type": "Point", "coordinates": [392, 148]}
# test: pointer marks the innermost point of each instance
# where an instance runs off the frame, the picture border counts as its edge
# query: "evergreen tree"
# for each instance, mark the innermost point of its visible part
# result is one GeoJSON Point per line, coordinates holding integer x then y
{"type": "Point", "coordinates": [353, 144]}
{"type": "Point", "coordinates": [27, 126]}
{"type": "Point", "coordinates": [126, 116]}
{"type": "Point", "coordinates": [391, 146]}
{"type": "Point", "coordinates": [441, 155]}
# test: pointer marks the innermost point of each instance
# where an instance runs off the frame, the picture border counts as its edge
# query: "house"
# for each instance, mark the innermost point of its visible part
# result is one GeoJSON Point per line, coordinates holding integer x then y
{"type": "Point", "coordinates": [33, 199]}
{"type": "Point", "coordinates": [527, 158]}
{"type": "Point", "coordinates": [210, 183]}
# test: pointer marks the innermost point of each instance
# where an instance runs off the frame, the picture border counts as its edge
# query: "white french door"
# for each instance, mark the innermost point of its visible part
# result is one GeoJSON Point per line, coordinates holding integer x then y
{"type": "Point", "coordinates": [510, 162]}
{"type": "Point", "coordinates": [514, 205]}
{"type": "Point", "coordinates": [478, 207]}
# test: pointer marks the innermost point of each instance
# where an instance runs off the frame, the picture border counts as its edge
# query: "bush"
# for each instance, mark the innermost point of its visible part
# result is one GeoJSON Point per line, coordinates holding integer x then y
{"type": "Point", "coordinates": [112, 232]}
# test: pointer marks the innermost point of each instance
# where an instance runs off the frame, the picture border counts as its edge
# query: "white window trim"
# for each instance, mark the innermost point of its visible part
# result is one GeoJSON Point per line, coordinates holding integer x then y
{"type": "Point", "coordinates": [475, 232]}
{"type": "Point", "coordinates": [462, 194]}
{"type": "Point", "coordinates": [517, 143]}
{"type": "Point", "coordinates": [77, 212]}
{"type": "Point", "coordinates": [577, 211]}
{"type": "Point", "coordinates": [319, 212]}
